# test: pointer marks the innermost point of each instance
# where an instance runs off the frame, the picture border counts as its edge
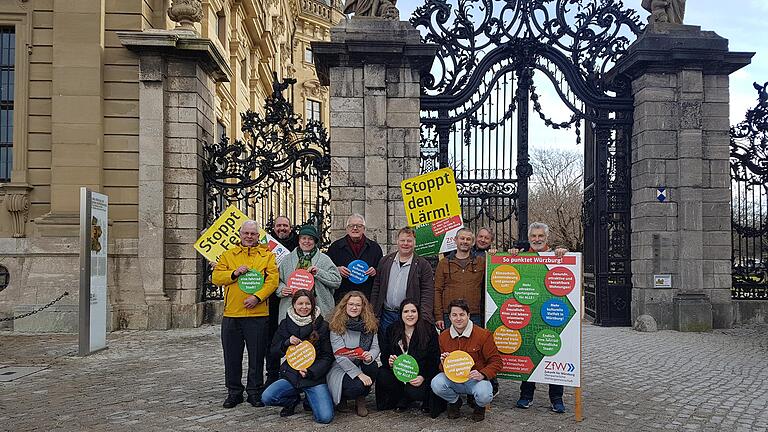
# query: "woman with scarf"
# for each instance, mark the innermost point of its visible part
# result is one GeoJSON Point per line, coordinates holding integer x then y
{"type": "Point", "coordinates": [414, 336]}
{"type": "Point", "coordinates": [304, 323]}
{"type": "Point", "coordinates": [355, 344]}
{"type": "Point", "coordinates": [307, 256]}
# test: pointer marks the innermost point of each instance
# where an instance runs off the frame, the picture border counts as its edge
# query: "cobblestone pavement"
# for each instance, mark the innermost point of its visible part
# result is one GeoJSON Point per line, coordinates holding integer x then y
{"type": "Point", "coordinates": [173, 381]}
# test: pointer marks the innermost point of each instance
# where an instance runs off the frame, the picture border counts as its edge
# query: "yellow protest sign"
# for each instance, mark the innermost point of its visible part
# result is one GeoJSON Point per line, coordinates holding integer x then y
{"type": "Point", "coordinates": [430, 197]}
{"type": "Point", "coordinates": [223, 234]}
{"type": "Point", "coordinates": [300, 356]}
{"type": "Point", "coordinates": [457, 366]}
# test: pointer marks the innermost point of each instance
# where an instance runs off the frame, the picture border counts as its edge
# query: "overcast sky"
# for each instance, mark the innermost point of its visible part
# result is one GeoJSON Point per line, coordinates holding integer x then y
{"type": "Point", "coordinates": [742, 22]}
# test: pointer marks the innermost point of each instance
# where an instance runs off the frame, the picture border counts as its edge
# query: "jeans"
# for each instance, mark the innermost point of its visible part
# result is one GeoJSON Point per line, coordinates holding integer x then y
{"type": "Point", "coordinates": [527, 388]}
{"type": "Point", "coordinates": [476, 319]}
{"type": "Point", "coordinates": [450, 391]}
{"type": "Point", "coordinates": [386, 319]}
{"type": "Point", "coordinates": [283, 393]}
{"type": "Point", "coordinates": [239, 333]}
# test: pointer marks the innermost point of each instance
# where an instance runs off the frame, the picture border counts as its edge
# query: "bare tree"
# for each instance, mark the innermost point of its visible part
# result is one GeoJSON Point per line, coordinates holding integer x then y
{"type": "Point", "coordinates": [556, 195]}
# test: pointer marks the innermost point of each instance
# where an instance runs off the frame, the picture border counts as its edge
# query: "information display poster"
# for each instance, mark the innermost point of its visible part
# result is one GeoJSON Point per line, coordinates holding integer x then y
{"type": "Point", "coordinates": [431, 203]}
{"type": "Point", "coordinates": [225, 232]}
{"type": "Point", "coordinates": [533, 309]}
{"type": "Point", "coordinates": [94, 242]}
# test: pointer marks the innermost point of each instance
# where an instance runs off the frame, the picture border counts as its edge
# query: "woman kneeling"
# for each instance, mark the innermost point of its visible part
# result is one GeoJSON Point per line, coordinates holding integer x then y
{"type": "Point", "coordinates": [356, 346]}
{"type": "Point", "coordinates": [303, 323]}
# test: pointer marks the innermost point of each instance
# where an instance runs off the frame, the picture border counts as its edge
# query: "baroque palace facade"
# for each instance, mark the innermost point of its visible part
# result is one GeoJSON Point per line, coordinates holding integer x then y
{"type": "Point", "coordinates": [119, 96]}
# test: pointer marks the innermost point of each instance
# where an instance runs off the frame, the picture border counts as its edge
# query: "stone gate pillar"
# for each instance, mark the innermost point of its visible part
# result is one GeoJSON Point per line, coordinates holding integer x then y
{"type": "Point", "coordinates": [373, 67]}
{"type": "Point", "coordinates": [680, 143]}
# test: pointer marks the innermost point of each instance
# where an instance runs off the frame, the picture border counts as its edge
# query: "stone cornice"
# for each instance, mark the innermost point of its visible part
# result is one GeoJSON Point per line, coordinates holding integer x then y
{"type": "Point", "coordinates": [174, 42]}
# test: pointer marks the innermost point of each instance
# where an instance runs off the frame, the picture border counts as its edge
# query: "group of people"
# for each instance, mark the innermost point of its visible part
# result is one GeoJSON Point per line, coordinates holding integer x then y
{"type": "Point", "coordinates": [358, 325]}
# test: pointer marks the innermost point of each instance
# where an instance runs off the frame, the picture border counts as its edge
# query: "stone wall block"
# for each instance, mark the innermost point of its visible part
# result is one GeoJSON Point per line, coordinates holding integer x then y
{"type": "Point", "coordinates": [376, 171]}
{"type": "Point", "coordinates": [691, 81]}
{"type": "Point", "coordinates": [375, 110]}
{"type": "Point", "coordinates": [374, 76]}
{"type": "Point", "coordinates": [376, 141]}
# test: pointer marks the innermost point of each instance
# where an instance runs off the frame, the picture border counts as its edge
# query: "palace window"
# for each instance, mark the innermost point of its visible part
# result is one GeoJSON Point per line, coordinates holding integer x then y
{"type": "Point", "coordinates": [313, 110]}
{"type": "Point", "coordinates": [7, 62]}
{"type": "Point", "coordinates": [308, 54]}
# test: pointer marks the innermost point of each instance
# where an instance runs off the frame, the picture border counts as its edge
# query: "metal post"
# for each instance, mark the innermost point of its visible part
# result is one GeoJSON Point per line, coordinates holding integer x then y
{"type": "Point", "coordinates": [84, 330]}
{"type": "Point", "coordinates": [524, 169]}
{"type": "Point", "coordinates": [443, 136]}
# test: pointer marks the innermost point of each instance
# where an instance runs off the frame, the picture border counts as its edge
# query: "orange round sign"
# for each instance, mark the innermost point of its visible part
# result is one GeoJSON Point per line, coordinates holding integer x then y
{"type": "Point", "coordinates": [457, 366]}
{"type": "Point", "coordinates": [300, 356]}
{"type": "Point", "coordinates": [504, 278]}
{"type": "Point", "coordinates": [508, 341]}
{"type": "Point", "coordinates": [300, 279]}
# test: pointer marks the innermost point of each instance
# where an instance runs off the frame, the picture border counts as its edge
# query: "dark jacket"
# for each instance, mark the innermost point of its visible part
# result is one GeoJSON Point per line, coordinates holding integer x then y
{"type": "Point", "coordinates": [420, 286]}
{"type": "Point", "coordinates": [341, 255]}
{"type": "Point", "coordinates": [324, 358]}
{"type": "Point", "coordinates": [428, 357]}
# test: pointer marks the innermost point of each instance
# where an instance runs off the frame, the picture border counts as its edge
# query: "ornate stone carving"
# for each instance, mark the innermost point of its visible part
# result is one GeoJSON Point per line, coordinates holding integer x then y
{"type": "Point", "coordinates": [186, 13]}
{"type": "Point", "coordinates": [312, 88]}
{"type": "Point", "coordinates": [665, 11]}
{"type": "Point", "coordinates": [373, 8]}
{"type": "Point", "coordinates": [17, 204]}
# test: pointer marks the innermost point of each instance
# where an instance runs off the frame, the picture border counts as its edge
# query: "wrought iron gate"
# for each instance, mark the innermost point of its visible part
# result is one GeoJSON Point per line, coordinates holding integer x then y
{"type": "Point", "coordinates": [749, 208]}
{"type": "Point", "coordinates": [476, 106]}
{"type": "Point", "coordinates": [281, 168]}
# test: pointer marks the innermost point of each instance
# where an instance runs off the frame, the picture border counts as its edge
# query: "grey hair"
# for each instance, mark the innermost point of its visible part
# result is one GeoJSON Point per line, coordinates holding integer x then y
{"type": "Point", "coordinates": [250, 222]}
{"type": "Point", "coordinates": [356, 216]}
{"type": "Point", "coordinates": [490, 231]}
{"type": "Point", "coordinates": [538, 225]}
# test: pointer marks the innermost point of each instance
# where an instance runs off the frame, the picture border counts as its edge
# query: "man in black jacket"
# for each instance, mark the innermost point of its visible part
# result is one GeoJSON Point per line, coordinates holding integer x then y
{"type": "Point", "coordinates": [355, 246]}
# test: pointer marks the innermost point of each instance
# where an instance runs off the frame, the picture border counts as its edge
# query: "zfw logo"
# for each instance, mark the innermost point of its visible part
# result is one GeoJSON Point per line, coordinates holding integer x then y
{"type": "Point", "coordinates": [559, 366]}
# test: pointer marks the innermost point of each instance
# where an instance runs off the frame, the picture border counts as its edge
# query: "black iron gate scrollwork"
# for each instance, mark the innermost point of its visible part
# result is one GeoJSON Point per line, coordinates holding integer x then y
{"type": "Point", "coordinates": [476, 107]}
{"type": "Point", "coordinates": [281, 167]}
{"type": "Point", "coordinates": [749, 208]}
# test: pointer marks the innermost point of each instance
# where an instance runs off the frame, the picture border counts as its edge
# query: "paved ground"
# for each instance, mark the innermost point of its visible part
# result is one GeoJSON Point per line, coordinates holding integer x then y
{"type": "Point", "coordinates": [168, 381]}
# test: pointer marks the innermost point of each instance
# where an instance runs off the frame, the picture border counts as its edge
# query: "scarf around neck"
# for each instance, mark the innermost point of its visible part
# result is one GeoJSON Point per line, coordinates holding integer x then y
{"type": "Point", "coordinates": [356, 246]}
{"type": "Point", "coordinates": [300, 320]}
{"type": "Point", "coordinates": [358, 325]}
{"type": "Point", "coordinates": [305, 258]}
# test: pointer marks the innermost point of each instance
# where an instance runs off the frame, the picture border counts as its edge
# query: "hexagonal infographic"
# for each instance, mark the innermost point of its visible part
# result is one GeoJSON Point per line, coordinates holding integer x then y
{"type": "Point", "coordinates": [533, 309]}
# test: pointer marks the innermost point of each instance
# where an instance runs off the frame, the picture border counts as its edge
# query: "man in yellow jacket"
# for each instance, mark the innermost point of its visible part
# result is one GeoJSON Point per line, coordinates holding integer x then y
{"type": "Point", "coordinates": [246, 312]}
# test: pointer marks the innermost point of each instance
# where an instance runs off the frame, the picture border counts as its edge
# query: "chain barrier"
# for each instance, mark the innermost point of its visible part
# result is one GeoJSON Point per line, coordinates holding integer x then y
{"type": "Point", "coordinates": [35, 311]}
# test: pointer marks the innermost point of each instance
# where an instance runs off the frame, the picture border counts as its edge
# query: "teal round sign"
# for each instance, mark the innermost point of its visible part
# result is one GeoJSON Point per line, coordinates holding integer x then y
{"type": "Point", "coordinates": [251, 281]}
{"type": "Point", "coordinates": [405, 368]}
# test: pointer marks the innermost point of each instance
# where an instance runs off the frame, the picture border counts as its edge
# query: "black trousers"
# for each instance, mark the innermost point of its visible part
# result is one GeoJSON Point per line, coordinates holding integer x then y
{"type": "Point", "coordinates": [273, 362]}
{"type": "Point", "coordinates": [239, 333]}
{"type": "Point", "coordinates": [391, 393]}
{"type": "Point", "coordinates": [527, 388]}
{"type": "Point", "coordinates": [352, 388]}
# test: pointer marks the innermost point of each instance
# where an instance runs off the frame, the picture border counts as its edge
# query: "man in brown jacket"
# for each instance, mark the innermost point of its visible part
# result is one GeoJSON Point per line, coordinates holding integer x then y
{"type": "Point", "coordinates": [463, 335]}
{"type": "Point", "coordinates": [460, 275]}
{"type": "Point", "coordinates": [399, 275]}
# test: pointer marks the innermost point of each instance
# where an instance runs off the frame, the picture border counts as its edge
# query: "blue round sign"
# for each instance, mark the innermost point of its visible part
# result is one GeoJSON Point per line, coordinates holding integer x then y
{"type": "Point", "coordinates": [357, 269]}
{"type": "Point", "coordinates": [555, 312]}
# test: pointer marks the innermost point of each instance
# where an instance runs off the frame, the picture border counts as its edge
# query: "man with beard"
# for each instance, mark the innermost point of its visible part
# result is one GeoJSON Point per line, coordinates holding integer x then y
{"type": "Point", "coordinates": [355, 246]}
{"type": "Point", "coordinates": [538, 236]}
{"type": "Point", "coordinates": [460, 275]}
{"type": "Point", "coordinates": [282, 231]}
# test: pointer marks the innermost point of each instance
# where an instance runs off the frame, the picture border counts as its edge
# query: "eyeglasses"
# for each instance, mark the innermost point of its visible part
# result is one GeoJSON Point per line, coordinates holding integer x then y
{"type": "Point", "coordinates": [355, 226]}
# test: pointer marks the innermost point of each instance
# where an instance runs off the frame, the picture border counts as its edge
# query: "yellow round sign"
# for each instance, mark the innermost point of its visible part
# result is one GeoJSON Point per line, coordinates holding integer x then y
{"type": "Point", "coordinates": [457, 366]}
{"type": "Point", "coordinates": [504, 278]}
{"type": "Point", "coordinates": [507, 340]}
{"type": "Point", "coordinates": [300, 356]}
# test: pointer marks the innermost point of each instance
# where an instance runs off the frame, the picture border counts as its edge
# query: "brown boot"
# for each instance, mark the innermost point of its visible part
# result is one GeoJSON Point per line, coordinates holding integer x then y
{"type": "Point", "coordinates": [454, 409]}
{"type": "Point", "coordinates": [362, 410]}
{"type": "Point", "coordinates": [478, 414]}
{"type": "Point", "coordinates": [342, 407]}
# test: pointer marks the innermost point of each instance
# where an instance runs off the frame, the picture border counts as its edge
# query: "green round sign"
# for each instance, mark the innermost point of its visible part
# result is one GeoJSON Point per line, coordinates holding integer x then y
{"type": "Point", "coordinates": [548, 342]}
{"type": "Point", "coordinates": [251, 281]}
{"type": "Point", "coordinates": [526, 293]}
{"type": "Point", "coordinates": [405, 368]}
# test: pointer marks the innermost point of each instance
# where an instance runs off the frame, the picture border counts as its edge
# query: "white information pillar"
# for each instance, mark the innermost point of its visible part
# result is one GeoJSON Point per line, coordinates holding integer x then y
{"type": "Point", "coordinates": [93, 272]}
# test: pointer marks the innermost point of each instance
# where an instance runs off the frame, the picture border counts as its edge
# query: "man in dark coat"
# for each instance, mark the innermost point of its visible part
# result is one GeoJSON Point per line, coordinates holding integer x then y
{"type": "Point", "coordinates": [402, 274]}
{"type": "Point", "coordinates": [355, 246]}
